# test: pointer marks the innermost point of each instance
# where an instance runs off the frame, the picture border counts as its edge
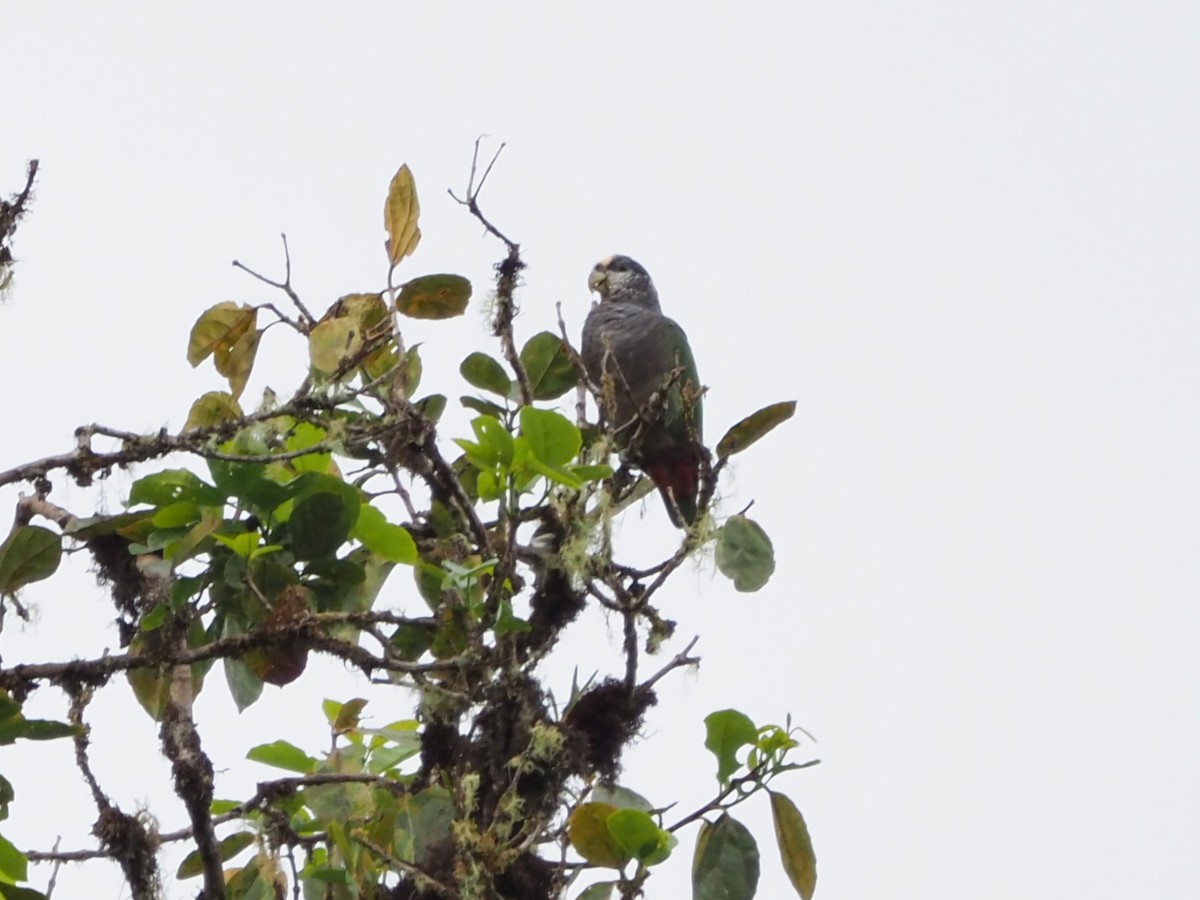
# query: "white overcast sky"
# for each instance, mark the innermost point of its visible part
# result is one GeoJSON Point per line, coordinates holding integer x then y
{"type": "Point", "coordinates": [963, 235]}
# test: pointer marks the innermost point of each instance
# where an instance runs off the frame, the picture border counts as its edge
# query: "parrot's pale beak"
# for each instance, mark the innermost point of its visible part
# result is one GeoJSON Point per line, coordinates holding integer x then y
{"type": "Point", "coordinates": [596, 280]}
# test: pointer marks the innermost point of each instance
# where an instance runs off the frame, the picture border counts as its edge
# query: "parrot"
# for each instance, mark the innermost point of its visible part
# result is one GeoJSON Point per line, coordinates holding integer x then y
{"type": "Point", "coordinates": [650, 392]}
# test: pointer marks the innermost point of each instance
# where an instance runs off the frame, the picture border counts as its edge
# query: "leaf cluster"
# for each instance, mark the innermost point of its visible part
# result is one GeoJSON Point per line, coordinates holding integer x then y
{"type": "Point", "coordinates": [342, 522]}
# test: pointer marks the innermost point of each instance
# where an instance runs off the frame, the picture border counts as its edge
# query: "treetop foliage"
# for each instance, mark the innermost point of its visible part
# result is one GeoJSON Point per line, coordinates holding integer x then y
{"type": "Point", "coordinates": [340, 520]}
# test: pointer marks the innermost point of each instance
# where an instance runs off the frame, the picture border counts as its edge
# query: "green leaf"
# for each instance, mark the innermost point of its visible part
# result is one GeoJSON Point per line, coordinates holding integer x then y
{"type": "Point", "coordinates": [552, 438]}
{"type": "Point", "coordinates": [413, 369]}
{"type": "Point", "coordinates": [591, 473]}
{"type": "Point", "coordinates": [174, 486]}
{"type": "Point", "coordinates": [727, 732]}
{"type": "Point", "coordinates": [211, 409]}
{"type": "Point", "coordinates": [753, 427]}
{"type": "Point", "coordinates": [243, 544]}
{"type": "Point", "coordinates": [30, 553]}
{"type": "Point", "coordinates": [176, 515]}
{"type": "Point", "coordinates": [189, 543]}
{"type": "Point", "coordinates": [620, 797]}
{"type": "Point", "coordinates": [326, 876]}
{"type": "Point", "coordinates": [494, 438]}
{"type": "Point", "coordinates": [744, 553]}
{"type": "Point", "coordinates": [10, 709]}
{"type": "Point", "coordinates": [795, 845]}
{"type": "Point", "coordinates": [13, 864]}
{"type": "Point", "coordinates": [321, 522]}
{"type": "Point", "coordinates": [303, 436]}
{"type": "Point", "coordinates": [361, 595]}
{"type": "Point", "coordinates": [340, 803]}
{"type": "Point", "coordinates": [401, 211]}
{"type": "Point", "coordinates": [99, 526]}
{"type": "Point", "coordinates": [431, 407]}
{"type": "Point", "coordinates": [726, 865]}
{"type": "Point", "coordinates": [249, 883]}
{"type": "Point", "coordinates": [481, 406]}
{"type": "Point", "coordinates": [249, 483]}
{"type": "Point", "coordinates": [434, 297]}
{"type": "Point", "coordinates": [529, 466]}
{"type": "Point", "coordinates": [601, 890]}
{"type": "Point", "coordinates": [507, 622]}
{"type": "Point", "coordinates": [381, 537]}
{"type": "Point", "coordinates": [6, 796]}
{"type": "Point", "coordinates": [481, 371]}
{"type": "Point", "coordinates": [20, 892]}
{"type": "Point", "coordinates": [34, 730]}
{"type": "Point", "coordinates": [548, 364]}
{"type": "Point", "coordinates": [411, 641]}
{"type": "Point", "coordinates": [151, 684]}
{"type": "Point", "coordinates": [228, 848]}
{"type": "Point", "coordinates": [244, 686]}
{"type": "Point", "coordinates": [385, 759]}
{"type": "Point", "coordinates": [639, 836]}
{"type": "Point", "coordinates": [283, 755]}
{"type": "Point", "coordinates": [426, 818]}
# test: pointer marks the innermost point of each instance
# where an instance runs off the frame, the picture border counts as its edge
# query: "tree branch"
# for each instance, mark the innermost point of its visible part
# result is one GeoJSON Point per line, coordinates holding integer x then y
{"type": "Point", "coordinates": [309, 630]}
{"type": "Point", "coordinates": [286, 287]}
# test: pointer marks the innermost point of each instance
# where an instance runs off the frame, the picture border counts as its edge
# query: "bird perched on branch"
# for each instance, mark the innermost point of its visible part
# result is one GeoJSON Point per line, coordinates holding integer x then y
{"type": "Point", "coordinates": [650, 391]}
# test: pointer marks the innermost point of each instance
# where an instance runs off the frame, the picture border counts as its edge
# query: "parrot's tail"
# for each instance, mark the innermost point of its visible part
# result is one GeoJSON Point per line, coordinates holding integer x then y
{"type": "Point", "coordinates": [677, 478]}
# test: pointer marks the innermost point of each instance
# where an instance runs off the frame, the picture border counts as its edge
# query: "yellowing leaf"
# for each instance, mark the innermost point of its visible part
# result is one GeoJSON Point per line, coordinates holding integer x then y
{"type": "Point", "coordinates": [235, 362]}
{"type": "Point", "coordinates": [219, 328]}
{"type": "Point", "coordinates": [332, 342]}
{"type": "Point", "coordinates": [369, 309]}
{"type": "Point", "coordinates": [795, 845]}
{"type": "Point", "coordinates": [400, 214]}
{"type": "Point", "coordinates": [434, 297]}
{"type": "Point", "coordinates": [753, 427]}
{"type": "Point", "coordinates": [348, 716]}
{"type": "Point", "coordinates": [212, 409]}
{"type": "Point", "coordinates": [588, 831]}
{"type": "Point", "coordinates": [362, 317]}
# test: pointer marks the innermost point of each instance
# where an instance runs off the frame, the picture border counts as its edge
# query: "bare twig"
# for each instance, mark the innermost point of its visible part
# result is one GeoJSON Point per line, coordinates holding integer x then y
{"type": "Point", "coordinates": [581, 389]}
{"type": "Point", "coordinates": [422, 878]}
{"type": "Point", "coordinates": [630, 647]}
{"type": "Point", "coordinates": [508, 271]}
{"type": "Point", "coordinates": [114, 828]}
{"type": "Point", "coordinates": [11, 213]}
{"type": "Point", "coordinates": [286, 286]}
{"type": "Point", "coordinates": [83, 463]}
{"type": "Point", "coordinates": [680, 659]}
{"type": "Point", "coordinates": [54, 870]}
{"type": "Point", "coordinates": [472, 195]}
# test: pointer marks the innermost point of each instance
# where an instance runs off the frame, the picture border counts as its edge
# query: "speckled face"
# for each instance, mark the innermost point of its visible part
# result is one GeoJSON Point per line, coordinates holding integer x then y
{"type": "Point", "coordinates": [616, 276]}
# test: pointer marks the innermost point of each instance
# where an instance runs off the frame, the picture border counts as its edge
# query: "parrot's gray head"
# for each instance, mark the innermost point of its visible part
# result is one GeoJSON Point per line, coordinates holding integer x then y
{"type": "Point", "coordinates": [622, 280]}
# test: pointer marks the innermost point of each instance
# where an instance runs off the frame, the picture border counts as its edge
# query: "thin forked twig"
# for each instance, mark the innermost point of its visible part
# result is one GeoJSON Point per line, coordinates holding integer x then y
{"type": "Point", "coordinates": [285, 286]}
